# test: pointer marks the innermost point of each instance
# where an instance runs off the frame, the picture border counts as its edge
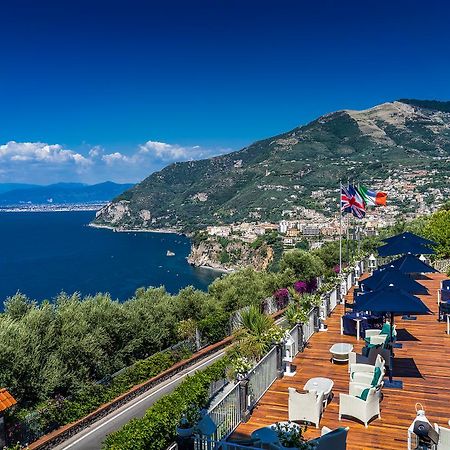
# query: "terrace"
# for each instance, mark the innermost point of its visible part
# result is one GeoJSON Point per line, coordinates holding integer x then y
{"type": "Point", "coordinates": [423, 364]}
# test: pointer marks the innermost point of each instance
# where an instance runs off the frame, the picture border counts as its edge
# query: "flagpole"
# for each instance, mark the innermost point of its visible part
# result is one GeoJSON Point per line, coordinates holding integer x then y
{"type": "Point", "coordinates": [340, 228]}
{"type": "Point", "coordinates": [348, 228]}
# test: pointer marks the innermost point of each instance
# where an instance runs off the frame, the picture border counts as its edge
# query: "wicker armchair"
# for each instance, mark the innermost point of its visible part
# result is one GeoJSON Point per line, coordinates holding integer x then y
{"type": "Point", "coordinates": [358, 408]}
{"type": "Point", "coordinates": [306, 407]}
{"type": "Point", "coordinates": [444, 437]}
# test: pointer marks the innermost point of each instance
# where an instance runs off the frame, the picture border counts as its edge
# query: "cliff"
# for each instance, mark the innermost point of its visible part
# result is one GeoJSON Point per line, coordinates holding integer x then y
{"type": "Point", "coordinates": [224, 254]}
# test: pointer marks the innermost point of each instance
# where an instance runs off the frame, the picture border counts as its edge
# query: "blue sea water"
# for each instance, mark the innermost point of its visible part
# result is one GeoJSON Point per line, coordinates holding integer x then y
{"type": "Point", "coordinates": [44, 253]}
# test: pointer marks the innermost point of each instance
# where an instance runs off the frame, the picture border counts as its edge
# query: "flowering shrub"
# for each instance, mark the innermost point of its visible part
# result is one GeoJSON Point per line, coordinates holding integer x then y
{"type": "Point", "coordinates": [306, 287]}
{"type": "Point", "coordinates": [281, 297]}
{"type": "Point", "coordinates": [240, 367]}
{"type": "Point", "coordinates": [336, 269]}
{"type": "Point", "coordinates": [276, 335]}
{"type": "Point", "coordinates": [290, 435]}
{"type": "Point", "coordinates": [311, 286]}
{"type": "Point", "coordinates": [300, 287]}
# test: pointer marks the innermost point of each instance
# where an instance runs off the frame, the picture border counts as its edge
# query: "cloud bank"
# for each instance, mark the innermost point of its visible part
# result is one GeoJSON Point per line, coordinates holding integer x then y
{"type": "Point", "coordinates": [43, 163]}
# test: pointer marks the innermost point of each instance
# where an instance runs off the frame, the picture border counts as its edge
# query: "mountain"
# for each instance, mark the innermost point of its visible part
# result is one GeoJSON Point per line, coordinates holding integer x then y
{"type": "Point", "coordinates": [61, 193]}
{"type": "Point", "coordinates": [276, 174]}
{"type": "Point", "coordinates": [6, 187]}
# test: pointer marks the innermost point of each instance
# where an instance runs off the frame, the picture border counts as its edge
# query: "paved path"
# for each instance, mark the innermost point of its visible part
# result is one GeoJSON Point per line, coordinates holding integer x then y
{"type": "Point", "coordinates": [91, 438]}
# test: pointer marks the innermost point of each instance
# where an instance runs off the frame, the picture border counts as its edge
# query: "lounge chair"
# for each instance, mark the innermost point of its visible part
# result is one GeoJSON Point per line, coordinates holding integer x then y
{"type": "Point", "coordinates": [356, 389]}
{"type": "Point", "coordinates": [355, 358]}
{"type": "Point", "coordinates": [378, 341]}
{"type": "Point", "coordinates": [385, 331]}
{"type": "Point", "coordinates": [363, 408]}
{"type": "Point", "coordinates": [369, 379]}
{"type": "Point", "coordinates": [305, 407]}
{"type": "Point", "coordinates": [367, 368]}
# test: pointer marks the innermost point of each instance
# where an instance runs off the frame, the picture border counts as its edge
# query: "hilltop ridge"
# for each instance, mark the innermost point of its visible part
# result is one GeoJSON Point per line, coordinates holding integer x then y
{"type": "Point", "coordinates": [299, 168]}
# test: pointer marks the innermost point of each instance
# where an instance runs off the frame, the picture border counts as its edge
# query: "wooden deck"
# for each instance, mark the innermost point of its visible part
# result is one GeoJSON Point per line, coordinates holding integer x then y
{"type": "Point", "coordinates": [423, 364]}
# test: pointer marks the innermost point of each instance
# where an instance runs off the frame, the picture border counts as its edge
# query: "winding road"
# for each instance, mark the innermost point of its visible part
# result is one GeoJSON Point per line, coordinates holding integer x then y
{"type": "Point", "coordinates": [91, 438]}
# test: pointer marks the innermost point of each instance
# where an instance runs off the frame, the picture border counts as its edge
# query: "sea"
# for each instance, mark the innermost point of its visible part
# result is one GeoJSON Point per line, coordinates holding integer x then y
{"type": "Point", "coordinates": [44, 253]}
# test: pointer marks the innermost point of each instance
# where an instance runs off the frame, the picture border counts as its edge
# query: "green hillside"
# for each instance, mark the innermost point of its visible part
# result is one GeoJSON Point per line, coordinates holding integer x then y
{"type": "Point", "coordinates": [279, 173]}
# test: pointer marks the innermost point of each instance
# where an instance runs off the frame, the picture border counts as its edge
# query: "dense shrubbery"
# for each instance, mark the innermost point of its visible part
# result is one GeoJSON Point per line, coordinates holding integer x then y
{"type": "Point", "coordinates": [59, 410]}
{"type": "Point", "coordinates": [53, 354]}
{"type": "Point", "coordinates": [156, 430]}
{"type": "Point", "coordinates": [57, 348]}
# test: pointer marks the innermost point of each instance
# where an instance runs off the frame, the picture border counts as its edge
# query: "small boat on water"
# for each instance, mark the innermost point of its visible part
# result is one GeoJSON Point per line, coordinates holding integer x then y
{"type": "Point", "coordinates": [169, 253]}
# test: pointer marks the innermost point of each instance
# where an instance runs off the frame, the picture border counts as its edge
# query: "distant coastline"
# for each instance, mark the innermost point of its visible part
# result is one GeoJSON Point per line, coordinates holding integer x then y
{"type": "Point", "coordinates": [53, 208]}
{"type": "Point", "coordinates": [138, 230]}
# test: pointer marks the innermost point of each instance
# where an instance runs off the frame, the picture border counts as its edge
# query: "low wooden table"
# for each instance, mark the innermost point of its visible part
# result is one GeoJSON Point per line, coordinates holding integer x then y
{"type": "Point", "coordinates": [340, 351]}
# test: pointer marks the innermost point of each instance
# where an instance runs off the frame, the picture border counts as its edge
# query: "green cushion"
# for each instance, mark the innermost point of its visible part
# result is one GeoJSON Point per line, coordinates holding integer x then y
{"type": "Point", "coordinates": [364, 394]}
{"type": "Point", "coordinates": [376, 376]}
{"type": "Point", "coordinates": [386, 329]}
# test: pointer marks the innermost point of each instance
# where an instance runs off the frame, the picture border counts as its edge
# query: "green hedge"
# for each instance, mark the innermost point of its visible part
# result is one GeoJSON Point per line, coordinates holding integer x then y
{"type": "Point", "coordinates": [156, 430]}
{"type": "Point", "coordinates": [60, 411]}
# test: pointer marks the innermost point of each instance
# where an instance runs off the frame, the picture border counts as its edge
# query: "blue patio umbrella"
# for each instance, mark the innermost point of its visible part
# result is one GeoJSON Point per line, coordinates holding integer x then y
{"type": "Point", "coordinates": [394, 301]}
{"type": "Point", "coordinates": [403, 246]}
{"type": "Point", "coordinates": [411, 237]}
{"type": "Point", "coordinates": [391, 275]}
{"type": "Point", "coordinates": [410, 264]}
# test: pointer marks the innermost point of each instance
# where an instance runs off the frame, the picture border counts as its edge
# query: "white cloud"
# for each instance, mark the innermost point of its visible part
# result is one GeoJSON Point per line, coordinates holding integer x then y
{"type": "Point", "coordinates": [39, 152]}
{"type": "Point", "coordinates": [111, 158]}
{"type": "Point", "coordinates": [166, 152]}
{"type": "Point", "coordinates": [40, 162]}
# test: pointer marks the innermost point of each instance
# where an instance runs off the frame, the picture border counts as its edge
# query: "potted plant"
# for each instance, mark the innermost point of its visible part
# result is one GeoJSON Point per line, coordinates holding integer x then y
{"type": "Point", "coordinates": [290, 435]}
{"type": "Point", "coordinates": [295, 314]}
{"type": "Point", "coordinates": [241, 367]}
{"type": "Point", "coordinates": [276, 335]}
{"type": "Point", "coordinates": [188, 421]}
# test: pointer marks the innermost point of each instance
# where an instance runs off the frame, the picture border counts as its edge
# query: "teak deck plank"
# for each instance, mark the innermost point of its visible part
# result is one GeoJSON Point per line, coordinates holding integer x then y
{"type": "Point", "coordinates": [429, 386]}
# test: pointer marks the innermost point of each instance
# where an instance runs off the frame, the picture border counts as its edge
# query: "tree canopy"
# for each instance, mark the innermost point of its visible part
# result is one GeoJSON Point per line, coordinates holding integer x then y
{"type": "Point", "coordinates": [305, 265]}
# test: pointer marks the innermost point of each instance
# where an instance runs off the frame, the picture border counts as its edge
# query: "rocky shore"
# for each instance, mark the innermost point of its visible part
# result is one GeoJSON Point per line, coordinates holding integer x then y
{"type": "Point", "coordinates": [229, 255]}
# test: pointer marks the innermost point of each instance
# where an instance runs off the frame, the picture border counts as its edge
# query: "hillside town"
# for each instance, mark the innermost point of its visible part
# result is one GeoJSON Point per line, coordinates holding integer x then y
{"type": "Point", "coordinates": [415, 188]}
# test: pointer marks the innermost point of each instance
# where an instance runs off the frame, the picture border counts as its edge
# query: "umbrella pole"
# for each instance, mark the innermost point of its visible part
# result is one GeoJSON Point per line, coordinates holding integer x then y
{"type": "Point", "coordinates": [392, 384]}
{"type": "Point", "coordinates": [391, 362]}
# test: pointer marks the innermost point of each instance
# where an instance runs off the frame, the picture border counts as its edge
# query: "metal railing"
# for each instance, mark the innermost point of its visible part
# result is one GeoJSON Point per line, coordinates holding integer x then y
{"type": "Point", "coordinates": [235, 406]}
{"type": "Point", "coordinates": [333, 299]}
{"type": "Point", "coordinates": [296, 337]}
{"type": "Point", "coordinates": [261, 377]}
{"type": "Point", "coordinates": [227, 414]}
{"type": "Point", "coordinates": [308, 327]}
{"type": "Point", "coordinates": [201, 443]}
{"type": "Point", "coordinates": [349, 280]}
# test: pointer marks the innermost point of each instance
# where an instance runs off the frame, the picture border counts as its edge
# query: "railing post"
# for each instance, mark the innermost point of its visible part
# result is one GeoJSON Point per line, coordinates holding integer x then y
{"type": "Point", "coordinates": [328, 303]}
{"type": "Point", "coordinates": [279, 361]}
{"type": "Point", "coordinates": [301, 334]}
{"type": "Point", "coordinates": [185, 442]}
{"type": "Point", "coordinates": [243, 399]}
{"type": "Point", "coordinates": [316, 319]}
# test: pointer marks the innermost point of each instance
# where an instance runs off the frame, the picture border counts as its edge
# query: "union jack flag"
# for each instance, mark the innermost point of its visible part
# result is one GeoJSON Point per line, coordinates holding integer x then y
{"type": "Point", "coordinates": [352, 202]}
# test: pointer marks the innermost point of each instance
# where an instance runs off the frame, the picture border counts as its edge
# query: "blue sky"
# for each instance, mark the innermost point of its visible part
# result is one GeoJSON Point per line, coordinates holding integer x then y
{"type": "Point", "coordinates": [96, 90]}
